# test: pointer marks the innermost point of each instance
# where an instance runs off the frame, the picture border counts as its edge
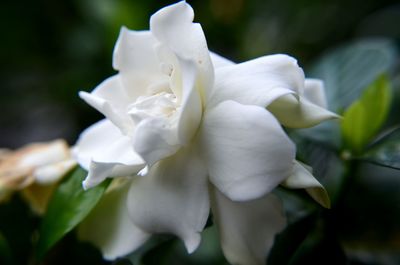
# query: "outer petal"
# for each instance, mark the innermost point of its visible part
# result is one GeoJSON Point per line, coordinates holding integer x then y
{"type": "Point", "coordinates": [104, 152]}
{"type": "Point", "coordinates": [259, 81]}
{"type": "Point", "coordinates": [137, 62]}
{"type": "Point", "coordinates": [302, 178]}
{"type": "Point", "coordinates": [94, 140]}
{"type": "Point", "coordinates": [314, 91]}
{"type": "Point", "coordinates": [173, 26]}
{"type": "Point", "coordinates": [191, 109]}
{"type": "Point", "coordinates": [155, 139]}
{"type": "Point", "coordinates": [247, 229]}
{"type": "Point", "coordinates": [218, 61]}
{"type": "Point", "coordinates": [247, 152]}
{"type": "Point", "coordinates": [172, 198]}
{"type": "Point", "coordinates": [112, 101]}
{"type": "Point", "coordinates": [109, 226]}
{"type": "Point", "coordinates": [296, 112]}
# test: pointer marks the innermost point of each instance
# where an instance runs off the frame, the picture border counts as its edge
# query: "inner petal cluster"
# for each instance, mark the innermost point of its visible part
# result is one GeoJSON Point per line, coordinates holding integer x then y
{"type": "Point", "coordinates": [160, 105]}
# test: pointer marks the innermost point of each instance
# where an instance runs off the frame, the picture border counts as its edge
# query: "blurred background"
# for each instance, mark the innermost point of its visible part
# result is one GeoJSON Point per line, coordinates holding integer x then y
{"type": "Point", "coordinates": [50, 50]}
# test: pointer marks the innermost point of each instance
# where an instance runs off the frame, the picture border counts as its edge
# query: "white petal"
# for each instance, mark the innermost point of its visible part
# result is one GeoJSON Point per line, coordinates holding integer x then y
{"type": "Point", "coordinates": [219, 61]}
{"type": "Point", "coordinates": [137, 62]}
{"type": "Point", "coordinates": [296, 112]}
{"type": "Point", "coordinates": [169, 62]}
{"type": "Point", "coordinates": [52, 173]}
{"type": "Point", "coordinates": [105, 152]}
{"type": "Point", "coordinates": [173, 26]}
{"type": "Point", "coordinates": [314, 91]}
{"type": "Point", "coordinates": [247, 152]}
{"type": "Point", "coordinates": [247, 229]}
{"type": "Point", "coordinates": [302, 178]}
{"type": "Point", "coordinates": [117, 160]}
{"type": "Point", "coordinates": [172, 198]}
{"type": "Point", "coordinates": [259, 81]}
{"type": "Point", "coordinates": [109, 227]}
{"type": "Point", "coordinates": [94, 140]}
{"type": "Point", "coordinates": [110, 99]}
{"type": "Point", "coordinates": [191, 108]}
{"type": "Point", "coordinates": [155, 139]}
{"type": "Point", "coordinates": [112, 91]}
{"type": "Point", "coordinates": [134, 50]}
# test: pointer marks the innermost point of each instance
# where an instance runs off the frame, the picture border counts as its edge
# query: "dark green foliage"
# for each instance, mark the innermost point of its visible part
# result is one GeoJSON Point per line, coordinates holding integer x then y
{"type": "Point", "coordinates": [386, 151]}
{"type": "Point", "coordinates": [68, 207]}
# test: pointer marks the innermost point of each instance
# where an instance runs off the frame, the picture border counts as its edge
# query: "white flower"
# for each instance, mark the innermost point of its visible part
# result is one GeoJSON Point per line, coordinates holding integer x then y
{"type": "Point", "coordinates": [34, 169]}
{"type": "Point", "coordinates": [192, 130]}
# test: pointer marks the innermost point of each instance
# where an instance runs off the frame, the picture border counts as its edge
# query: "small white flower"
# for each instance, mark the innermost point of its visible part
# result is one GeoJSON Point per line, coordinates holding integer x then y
{"type": "Point", "coordinates": [194, 131]}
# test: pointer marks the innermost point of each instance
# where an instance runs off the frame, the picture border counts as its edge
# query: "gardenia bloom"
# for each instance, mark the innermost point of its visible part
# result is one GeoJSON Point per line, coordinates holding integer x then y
{"type": "Point", "coordinates": [187, 130]}
{"type": "Point", "coordinates": [35, 171]}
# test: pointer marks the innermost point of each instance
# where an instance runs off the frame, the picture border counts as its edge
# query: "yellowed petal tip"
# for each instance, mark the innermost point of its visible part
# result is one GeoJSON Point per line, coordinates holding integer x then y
{"type": "Point", "coordinates": [320, 195]}
{"type": "Point", "coordinates": [302, 178]}
{"type": "Point", "coordinates": [37, 196]}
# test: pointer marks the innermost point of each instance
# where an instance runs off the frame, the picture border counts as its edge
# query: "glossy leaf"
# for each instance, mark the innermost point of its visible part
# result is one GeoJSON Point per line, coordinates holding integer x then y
{"type": "Point", "coordinates": [349, 69]}
{"type": "Point", "coordinates": [69, 205]}
{"type": "Point", "coordinates": [367, 217]}
{"type": "Point", "coordinates": [346, 72]}
{"type": "Point", "coordinates": [386, 151]}
{"type": "Point", "coordinates": [327, 167]}
{"type": "Point", "coordinates": [364, 117]}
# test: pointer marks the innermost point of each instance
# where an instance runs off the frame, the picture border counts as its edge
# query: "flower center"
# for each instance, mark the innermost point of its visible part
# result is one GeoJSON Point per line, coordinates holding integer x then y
{"type": "Point", "coordinates": [159, 101]}
{"type": "Point", "coordinates": [159, 105]}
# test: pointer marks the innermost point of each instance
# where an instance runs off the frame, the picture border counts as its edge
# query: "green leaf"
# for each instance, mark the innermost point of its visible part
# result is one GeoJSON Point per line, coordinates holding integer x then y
{"type": "Point", "coordinates": [348, 70]}
{"type": "Point", "coordinates": [386, 151]}
{"type": "Point", "coordinates": [327, 167]}
{"type": "Point", "coordinates": [364, 117]}
{"type": "Point", "coordinates": [69, 205]}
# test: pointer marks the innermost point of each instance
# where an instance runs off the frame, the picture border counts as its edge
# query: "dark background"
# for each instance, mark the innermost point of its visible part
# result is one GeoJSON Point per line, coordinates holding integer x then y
{"type": "Point", "coordinates": [50, 50]}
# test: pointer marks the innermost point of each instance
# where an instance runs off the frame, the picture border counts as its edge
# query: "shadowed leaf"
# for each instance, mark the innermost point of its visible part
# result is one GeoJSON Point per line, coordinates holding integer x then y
{"type": "Point", "coordinates": [67, 208]}
{"type": "Point", "coordinates": [386, 151]}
